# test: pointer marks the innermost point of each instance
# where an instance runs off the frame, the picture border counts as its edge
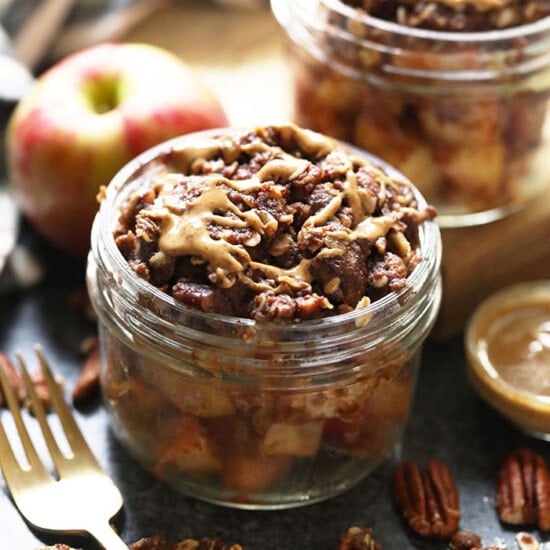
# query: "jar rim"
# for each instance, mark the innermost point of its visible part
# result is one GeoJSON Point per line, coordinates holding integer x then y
{"type": "Point", "coordinates": [493, 35]}
{"type": "Point", "coordinates": [387, 53]}
{"type": "Point", "coordinates": [424, 273]}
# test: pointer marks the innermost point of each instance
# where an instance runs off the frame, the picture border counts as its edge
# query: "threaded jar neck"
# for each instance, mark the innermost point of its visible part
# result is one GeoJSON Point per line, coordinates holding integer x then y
{"type": "Point", "coordinates": [370, 48]}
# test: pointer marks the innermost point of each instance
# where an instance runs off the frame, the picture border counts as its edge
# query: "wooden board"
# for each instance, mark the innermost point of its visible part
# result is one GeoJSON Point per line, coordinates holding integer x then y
{"type": "Point", "coordinates": [477, 261]}
{"type": "Point", "coordinates": [238, 52]}
{"type": "Point", "coordinates": [240, 55]}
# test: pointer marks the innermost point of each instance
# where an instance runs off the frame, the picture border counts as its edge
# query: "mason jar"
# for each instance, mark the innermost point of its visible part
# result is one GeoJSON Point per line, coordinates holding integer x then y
{"type": "Point", "coordinates": [463, 114]}
{"type": "Point", "coordinates": [250, 414]}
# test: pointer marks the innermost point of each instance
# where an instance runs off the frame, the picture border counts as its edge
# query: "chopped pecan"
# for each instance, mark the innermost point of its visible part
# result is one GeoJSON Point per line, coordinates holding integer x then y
{"type": "Point", "coordinates": [523, 490]}
{"type": "Point", "coordinates": [156, 542]}
{"type": "Point", "coordinates": [527, 542]}
{"type": "Point", "coordinates": [465, 540]}
{"type": "Point", "coordinates": [14, 379]}
{"type": "Point", "coordinates": [428, 499]}
{"type": "Point", "coordinates": [212, 544]}
{"type": "Point", "coordinates": [159, 542]}
{"type": "Point", "coordinates": [357, 538]}
{"type": "Point", "coordinates": [87, 383]}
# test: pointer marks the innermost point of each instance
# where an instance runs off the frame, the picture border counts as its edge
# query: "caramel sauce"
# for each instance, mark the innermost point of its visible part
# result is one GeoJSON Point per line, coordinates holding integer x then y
{"type": "Point", "coordinates": [508, 349]}
{"type": "Point", "coordinates": [184, 222]}
{"type": "Point", "coordinates": [518, 346]}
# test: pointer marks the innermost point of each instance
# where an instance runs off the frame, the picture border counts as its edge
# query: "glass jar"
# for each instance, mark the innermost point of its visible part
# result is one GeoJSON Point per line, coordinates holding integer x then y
{"type": "Point", "coordinates": [463, 115]}
{"type": "Point", "coordinates": [249, 414]}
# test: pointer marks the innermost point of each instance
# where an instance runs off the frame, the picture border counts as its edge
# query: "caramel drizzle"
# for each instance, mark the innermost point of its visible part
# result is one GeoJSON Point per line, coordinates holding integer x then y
{"type": "Point", "coordinates": [184, 223]}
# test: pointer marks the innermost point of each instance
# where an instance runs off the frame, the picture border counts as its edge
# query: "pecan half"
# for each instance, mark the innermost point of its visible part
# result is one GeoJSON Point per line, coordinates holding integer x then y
{"type": "Point", "coordinates": [428, 499]}
{"type": "Point", "coordinates": [357, 538]}
{"type": "Point", "coordinates": [465, 540]}
{"type": "Point", "coordinates": [523, 490]}
{"type": "Point", "coordinates": [87, 383]}
{"type": "Point", "coordinates": [42, 390]}
{"type": "Point", "coordinates": [14, 379]}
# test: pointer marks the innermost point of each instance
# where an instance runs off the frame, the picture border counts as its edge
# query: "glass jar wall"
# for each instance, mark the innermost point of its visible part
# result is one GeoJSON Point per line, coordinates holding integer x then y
{"type": "Point", "coordinates": [254, 414]}
{"type": "Point", "coordinates": [463, 114]}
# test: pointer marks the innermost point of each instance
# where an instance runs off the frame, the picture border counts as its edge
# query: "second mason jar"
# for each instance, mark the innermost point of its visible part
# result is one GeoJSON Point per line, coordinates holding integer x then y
{"type": "Point", "coordinates": [463, 114]}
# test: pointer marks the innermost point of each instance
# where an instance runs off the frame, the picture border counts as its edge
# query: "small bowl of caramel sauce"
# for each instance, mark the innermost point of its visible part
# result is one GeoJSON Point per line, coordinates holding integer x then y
{"type": "Point", "coordinates": [508, 351]}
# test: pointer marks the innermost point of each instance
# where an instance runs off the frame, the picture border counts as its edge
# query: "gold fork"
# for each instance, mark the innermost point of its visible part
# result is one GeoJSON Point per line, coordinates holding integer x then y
{"type": "Point", "coordinates": [83, 499]}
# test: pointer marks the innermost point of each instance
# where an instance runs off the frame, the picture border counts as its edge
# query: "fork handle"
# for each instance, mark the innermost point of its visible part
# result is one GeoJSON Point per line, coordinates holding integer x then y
{"type": "Point", "coordinates": [106, 536]}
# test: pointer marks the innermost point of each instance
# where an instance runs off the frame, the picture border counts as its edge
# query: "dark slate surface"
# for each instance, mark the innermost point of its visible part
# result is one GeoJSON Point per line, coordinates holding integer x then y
{"type": "Point", "coordinates": [448, 420]}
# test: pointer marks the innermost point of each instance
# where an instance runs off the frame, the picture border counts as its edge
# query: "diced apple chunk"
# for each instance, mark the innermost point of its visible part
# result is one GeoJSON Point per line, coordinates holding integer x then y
{"type": "Point", "coordinates": [292, 439]}
{"type": "Point", "coordinates": [187, 449]}
{"type": "Point", "coordinates": [249, 472]}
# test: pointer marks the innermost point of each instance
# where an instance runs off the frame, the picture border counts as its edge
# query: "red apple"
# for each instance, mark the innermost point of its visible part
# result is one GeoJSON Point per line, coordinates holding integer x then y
{"type": "Point", "coordinates": [85, 118]}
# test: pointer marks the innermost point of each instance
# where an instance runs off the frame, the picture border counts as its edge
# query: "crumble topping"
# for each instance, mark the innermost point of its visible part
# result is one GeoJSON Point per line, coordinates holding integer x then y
{"type": "Point", "coordinates": [277, 223]}
{"type": "Point", "coordinates": [456, 15]}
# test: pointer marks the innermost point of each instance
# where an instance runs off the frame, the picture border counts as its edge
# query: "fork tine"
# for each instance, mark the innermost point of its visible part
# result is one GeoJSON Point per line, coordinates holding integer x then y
{"type": "Point", "coordinates": [8, 461]}
{"type": "Point", "coordinates": [44, 501]}
{"type": "Point", "coordinates": [28, 447]}
{"type": "Point", "coordinates": [70, 427]}
{"type": "Point", "coordinates": [40, 414]}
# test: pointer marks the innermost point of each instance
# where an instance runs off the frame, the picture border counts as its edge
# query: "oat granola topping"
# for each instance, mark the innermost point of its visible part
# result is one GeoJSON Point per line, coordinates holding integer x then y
{"type": "Point", "coordinates": [456, 15]}
{"type": "Point", "coordinates": [275, 223]}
